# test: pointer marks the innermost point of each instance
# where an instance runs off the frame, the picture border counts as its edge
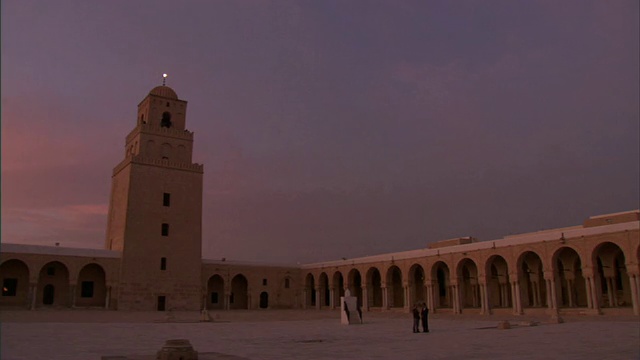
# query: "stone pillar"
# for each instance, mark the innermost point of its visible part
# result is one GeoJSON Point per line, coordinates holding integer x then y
{"type": "Point", "coordinates": [365, 298]}
{"type": "Point", "coordinates": [430, 302]}
{"type": "Point", "coordinates": [107, 297]}
{"type": "Point", "coordinates": [305, 297]}
{"type": "Point", "coordinates": [385, 300]}
{"type": "Point", "coordinates": [33, 294]}
{"type": "Point", "coordinates": [72, 293]}
{"type": "Point", "coordinates": [517, 302]}
{"type": "Point", "coordinates": [227, 299]}
{"type": "Point", "coordinates": [318, 298]}
{"type": "Point", "coordinates": [537, 299]}
{"type": "Point", "coordinates": [457, 299]}
{"type": "Point", "coordinates": [554, 298]}
{"type": "Point", "coordinates": [634, 293]}
{"type": "Point", "coordinates": [587, 283]}
{"type": "Point", "coordinates": [332, 302]}
{"type": "Point", "coordinates": [406, 301]}
{"type": "Point", "coordinates": [484, 298]}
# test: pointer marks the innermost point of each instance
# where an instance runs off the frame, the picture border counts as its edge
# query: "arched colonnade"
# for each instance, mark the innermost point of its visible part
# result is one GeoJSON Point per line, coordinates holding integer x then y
{"type": "Point", "coordinates": [606, 275]}
{"type": "Point", "coordinates": [55, 284]}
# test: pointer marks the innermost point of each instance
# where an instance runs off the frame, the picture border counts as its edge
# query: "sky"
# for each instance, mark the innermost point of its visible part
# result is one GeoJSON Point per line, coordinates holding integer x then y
{"type": "Point", "coordinates": [327, 129]}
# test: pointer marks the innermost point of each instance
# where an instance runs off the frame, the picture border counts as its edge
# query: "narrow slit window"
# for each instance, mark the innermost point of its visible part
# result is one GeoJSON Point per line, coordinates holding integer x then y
{"type": "Point", "coordinates": [165, 229]}
{"type": "Point", "coordinates": [163, 263]}
{"type": "Point", "coordinates": [166, 199]}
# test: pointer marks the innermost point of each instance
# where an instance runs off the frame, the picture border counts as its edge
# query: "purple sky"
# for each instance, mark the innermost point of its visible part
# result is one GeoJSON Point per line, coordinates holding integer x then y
{"type": "Point", "coordinates": [328, 129]}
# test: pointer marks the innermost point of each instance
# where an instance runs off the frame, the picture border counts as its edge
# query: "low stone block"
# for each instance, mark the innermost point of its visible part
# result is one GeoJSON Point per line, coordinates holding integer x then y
{"type": "Point", "coordinates": [177, 349]}
{"type": "Point", "coordinates": [503, 325]}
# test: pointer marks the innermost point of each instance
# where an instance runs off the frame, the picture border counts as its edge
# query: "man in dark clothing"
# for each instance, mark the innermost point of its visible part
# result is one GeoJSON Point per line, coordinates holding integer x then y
{"type": "Point", "coordinates": [416, 319]}
{"type": "Point", "coordinates": [424, 314]}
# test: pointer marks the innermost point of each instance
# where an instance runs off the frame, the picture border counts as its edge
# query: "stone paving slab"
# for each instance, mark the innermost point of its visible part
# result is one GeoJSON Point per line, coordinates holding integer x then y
{"type": "Point", "coordinates": [311, 335]}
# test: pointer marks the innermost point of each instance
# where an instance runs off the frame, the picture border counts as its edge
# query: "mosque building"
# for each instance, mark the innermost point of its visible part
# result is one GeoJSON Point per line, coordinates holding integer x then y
{"type": "Point", "coordinates": [152, 257]}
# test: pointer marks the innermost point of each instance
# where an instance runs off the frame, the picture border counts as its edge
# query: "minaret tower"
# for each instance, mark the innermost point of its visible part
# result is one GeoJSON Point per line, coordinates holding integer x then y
{"type": "Point", "coordinates": [155, 211]}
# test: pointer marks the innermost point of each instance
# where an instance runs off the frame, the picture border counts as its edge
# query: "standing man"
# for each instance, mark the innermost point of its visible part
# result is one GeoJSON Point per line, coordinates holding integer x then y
{"type": "Point", "coordinates": [425, 317]}
{"type": "Point", "coordinates": [416, 319]}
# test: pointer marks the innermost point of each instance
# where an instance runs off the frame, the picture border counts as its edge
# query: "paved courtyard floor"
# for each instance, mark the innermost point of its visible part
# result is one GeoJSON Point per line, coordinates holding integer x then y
{"type": "Point", "coordinates": [296, 334]}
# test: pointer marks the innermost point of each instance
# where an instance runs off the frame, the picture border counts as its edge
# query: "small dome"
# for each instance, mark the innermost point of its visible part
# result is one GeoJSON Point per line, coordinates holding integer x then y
{"type": "Point", "coordinates": [164, 91]}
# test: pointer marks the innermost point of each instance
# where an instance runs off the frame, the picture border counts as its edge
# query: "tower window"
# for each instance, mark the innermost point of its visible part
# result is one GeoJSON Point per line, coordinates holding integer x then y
{"type": "Point", "coordinates": [9, 287]}
{"type": "Point", "coordinates": [163, 263]}
{"type": "Point", "coordinates": [165, 229]}
{"type": "Point", "coordinates": [166, 199]}
{"type": "Point", "coordinates": [286, 283]}
{"type": "Point", "coordinates": [166, 120]}
{"type": "Point", "coordinates": [264, 282]}
{"type": "Point", "coordinates": [86, 290]}
{"type": "Point", "coordinates": [167, 104]}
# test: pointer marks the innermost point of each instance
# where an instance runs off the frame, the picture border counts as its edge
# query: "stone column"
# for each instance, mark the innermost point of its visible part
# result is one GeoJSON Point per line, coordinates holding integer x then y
{"type": "Point", "coordinates": [634, 293]}
{"type": "Point", "coordinates": [318, 298]}
{"type": "Point", "coordinates": [537, 299]}
{"type": "Point", "coordinates": [332, 302]}
{"type": "Point", "coordinates": [516, 301]}
{"type": "Point", "coordinates": [33, 293]}
{"type": "Point", "coordinates": [406, 301]}
{"type": "Point", "coordinates": [457, 299]}
{"type": "Point", "coordinates": [227, 299]}
{"type": "Point", "coordinates": [476, 292]}
{"type": "Point", "coordinates": [72, 292]}
{"type": "Point", "coordinates": [587, 283]}
{"type": "Point", "coordinates": [554, 297]}
{"type": "Point", "coordinates": [430, 301]}
{"type": "Point", "coordinates": [305, 297]}
{"type": "Point", "coordinates": [365, 298]}
{"type": "Point", "coordinates": [484, 298]}
{"type": "Point", "coordinates": [385, 300]}
{"type": "Point", "coordinates": [552, 300]}
{"type": "Point", "coordinates": [107, 297]}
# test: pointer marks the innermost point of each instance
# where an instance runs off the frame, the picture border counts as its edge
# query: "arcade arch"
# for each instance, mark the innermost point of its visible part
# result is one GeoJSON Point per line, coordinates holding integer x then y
{"type": "Point", "coordinates": [395, 295]}
{"type": "Point", "coordinates": [91, 290]}
{"type": "Point", "coordinates": [498, 282]}
{"type": "Point", "coordinates": [338, 287]}
{"type": "Point", "coordinates": [533, 292]}
{"type": "Point", "coordinates": [53, 285]}
{"type": "Point", "coordinates": [570, 287]}
{"type": "Point", "coordinates": [441, 281]}
{"type": "Point", "coordinates": [355, 284]}
{"type": "Point", "coordinates": [374, 288]}
{"type": "Point", "coordinates": [15, 283]}
{"type": "Point", "coordinates": [612, 279]}
{"type": "Point", "coordinates": [239, 297]}
{"type": "Point", "coordinates": [309, 291]}
{"type": "Point", "coordinates": [467, 274]}
{"type": "Point", "coordinates": [418, 291]}
{"type": "Point", "coordinates": [323, 288]}
{"type": "Point", "coordinates": [215, 292]}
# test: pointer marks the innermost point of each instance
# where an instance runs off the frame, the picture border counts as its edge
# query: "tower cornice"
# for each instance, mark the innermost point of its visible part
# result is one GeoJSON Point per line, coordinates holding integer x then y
{"type": "Point", "coordinates": [162, 131]}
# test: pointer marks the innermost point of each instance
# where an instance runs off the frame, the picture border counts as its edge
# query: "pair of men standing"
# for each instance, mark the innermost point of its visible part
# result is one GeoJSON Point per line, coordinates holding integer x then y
{"type": "Point", "coordinates": [418, 314]}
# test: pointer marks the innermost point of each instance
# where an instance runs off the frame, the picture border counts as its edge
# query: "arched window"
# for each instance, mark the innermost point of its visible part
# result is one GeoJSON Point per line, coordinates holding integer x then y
{"type": "Point", "coordinates": [166, 120]}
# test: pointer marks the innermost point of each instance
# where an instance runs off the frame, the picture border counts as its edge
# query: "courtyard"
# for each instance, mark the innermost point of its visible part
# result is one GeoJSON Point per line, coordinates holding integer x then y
{"type": "Point", "coordinates": [298, 334]}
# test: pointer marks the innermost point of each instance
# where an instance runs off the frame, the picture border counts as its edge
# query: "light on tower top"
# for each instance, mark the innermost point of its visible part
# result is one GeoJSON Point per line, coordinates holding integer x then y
{"type": "Point", "coordinates": [164, 78]}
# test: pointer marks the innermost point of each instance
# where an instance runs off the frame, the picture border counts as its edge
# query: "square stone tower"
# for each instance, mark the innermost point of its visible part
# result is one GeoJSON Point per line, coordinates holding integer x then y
{"type": "Point", "coordinates": [155, 211]}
